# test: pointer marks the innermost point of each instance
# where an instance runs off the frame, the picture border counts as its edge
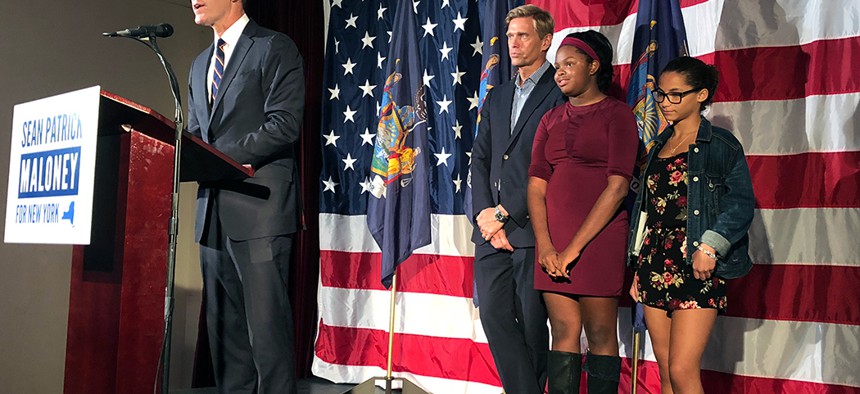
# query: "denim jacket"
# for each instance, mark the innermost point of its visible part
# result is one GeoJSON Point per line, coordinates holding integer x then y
{"type": "Point", "coordinates": [720, 200]}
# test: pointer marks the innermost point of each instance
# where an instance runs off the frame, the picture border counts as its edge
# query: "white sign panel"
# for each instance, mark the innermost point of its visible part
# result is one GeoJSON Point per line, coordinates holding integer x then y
{"type": "Point", "coordinates": [51, 169]}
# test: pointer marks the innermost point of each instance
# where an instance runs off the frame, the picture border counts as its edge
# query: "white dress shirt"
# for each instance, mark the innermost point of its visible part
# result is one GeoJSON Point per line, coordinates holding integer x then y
{"type": "Point", "coordinates": [230, 37]}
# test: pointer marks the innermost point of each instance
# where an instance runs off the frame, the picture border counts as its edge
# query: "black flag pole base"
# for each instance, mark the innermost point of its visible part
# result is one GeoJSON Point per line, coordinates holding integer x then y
{"type": "Point", "coordinates": [381, 384]}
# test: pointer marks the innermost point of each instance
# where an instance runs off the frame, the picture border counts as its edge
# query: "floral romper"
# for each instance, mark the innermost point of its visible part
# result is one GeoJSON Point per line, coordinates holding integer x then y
{"type": "Point", "coordinates": [666, 281]}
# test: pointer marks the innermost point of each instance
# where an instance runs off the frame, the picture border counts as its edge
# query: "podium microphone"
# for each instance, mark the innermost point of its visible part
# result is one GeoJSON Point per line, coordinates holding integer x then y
{"type": "Point", "coordinates": [162, 30]}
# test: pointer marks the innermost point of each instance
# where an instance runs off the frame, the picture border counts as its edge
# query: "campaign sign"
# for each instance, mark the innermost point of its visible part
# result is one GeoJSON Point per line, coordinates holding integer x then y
{"type": "Point", "coordinates": [51, 169]}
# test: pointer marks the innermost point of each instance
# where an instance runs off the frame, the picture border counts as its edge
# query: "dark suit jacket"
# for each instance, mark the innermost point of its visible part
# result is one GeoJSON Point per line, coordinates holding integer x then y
{"type": "Point", "coordinates": [502, 157]}
{"type": "Point", "coordinates": [255, 119]}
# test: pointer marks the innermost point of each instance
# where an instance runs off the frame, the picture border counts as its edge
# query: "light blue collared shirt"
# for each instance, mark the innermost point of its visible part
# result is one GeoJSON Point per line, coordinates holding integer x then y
{"type": "Point", "coordinates": [521, 93]}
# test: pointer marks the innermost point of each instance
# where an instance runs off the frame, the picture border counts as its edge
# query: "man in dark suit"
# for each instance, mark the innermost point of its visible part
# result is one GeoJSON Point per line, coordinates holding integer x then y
{"type": "Point", "coordinates": [246, 98]}
{"type": "Point", "coordinates": [512, 312]}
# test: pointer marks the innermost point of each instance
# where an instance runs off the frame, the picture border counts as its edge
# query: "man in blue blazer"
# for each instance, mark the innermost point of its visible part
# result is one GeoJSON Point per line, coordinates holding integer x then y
{"type": "Point", "coordinates": [246, 98]}
{"type": "Point", "coordinates": [512, 312]}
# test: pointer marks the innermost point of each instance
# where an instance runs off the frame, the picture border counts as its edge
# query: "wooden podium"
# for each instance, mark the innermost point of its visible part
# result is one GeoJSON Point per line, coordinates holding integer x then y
{"type": "Point", "coordinates": [116, 300]}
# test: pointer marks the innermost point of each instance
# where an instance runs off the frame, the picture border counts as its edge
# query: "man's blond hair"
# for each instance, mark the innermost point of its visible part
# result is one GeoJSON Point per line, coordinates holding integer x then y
{"type": "Point", "coordinates": [542, 19]}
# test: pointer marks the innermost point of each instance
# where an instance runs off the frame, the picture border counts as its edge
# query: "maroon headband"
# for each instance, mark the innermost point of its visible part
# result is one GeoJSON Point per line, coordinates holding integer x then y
{"type": "Point", "coordinates": [581, 45]}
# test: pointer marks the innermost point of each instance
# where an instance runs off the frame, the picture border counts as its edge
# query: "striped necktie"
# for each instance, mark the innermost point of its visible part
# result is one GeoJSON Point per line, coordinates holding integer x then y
{"type": "Point", "coordinates": [219, 68]}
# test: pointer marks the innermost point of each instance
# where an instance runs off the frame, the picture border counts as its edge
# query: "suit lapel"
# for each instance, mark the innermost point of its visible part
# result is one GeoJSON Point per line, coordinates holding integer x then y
{"type": "Point", "coordinates": [201, 105]}
{"type": "Point", "coordinates": [506, 104]}
{"type": "Point", "coordinates": [233, 65]}
{"type": "Point", "coordinates": [537, 96]}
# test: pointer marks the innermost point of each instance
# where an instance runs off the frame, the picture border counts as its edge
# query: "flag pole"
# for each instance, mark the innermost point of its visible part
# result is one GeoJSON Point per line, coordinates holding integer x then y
{"type": "Point", "coordinates": [392, 315]}
{"type": "Point", "coordinates": [634, 374]}
{"type": "Point", "coordinates": [369, 386]}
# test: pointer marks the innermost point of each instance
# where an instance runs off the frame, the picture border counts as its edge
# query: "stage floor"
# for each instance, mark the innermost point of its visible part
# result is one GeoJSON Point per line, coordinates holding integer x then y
{"type": "Point", "coordinates": [312, 385]}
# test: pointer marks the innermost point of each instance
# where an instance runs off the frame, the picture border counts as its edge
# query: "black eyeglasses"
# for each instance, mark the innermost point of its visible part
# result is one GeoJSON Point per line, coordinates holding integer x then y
{"type": "Point", "coordinates": [674, 97]}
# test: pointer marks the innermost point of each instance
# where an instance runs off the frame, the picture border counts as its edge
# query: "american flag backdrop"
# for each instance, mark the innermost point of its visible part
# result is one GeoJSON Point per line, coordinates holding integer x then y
{"type": "Point", "coordinates": [440, 344]}
{"type": "Point", "coordinates": [789, 91]}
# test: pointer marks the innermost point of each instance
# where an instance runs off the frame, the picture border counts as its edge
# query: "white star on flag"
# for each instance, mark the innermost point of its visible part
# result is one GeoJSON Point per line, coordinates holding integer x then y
{"type": "Point", "coordinates": [335, 93]}
{"type": "Point", "coordinates": [331, 139]}
{"type": "Point", "coordinates": [348, 162]}
{"type": "Point", "coordinates": [445, 50]}
{"type": "Point", "coordinates": [457, 127]}
{"type": "Point", "coordinates": [379, 60]}
{"type": "Point", "coordinates": [460, 22]}
{"type": "Point", "coordinates": [367, 88]}
{"type": "Point", "coordinates": [367, 137]}
{"type": "Point", "coordinates": [351, 21]}
{"type": "Point", "coordinates": [442, 158]}
{"type": "Point", "coordinates": [478, 46]}
{"type": "Point", "coordinates": [380, 11]}
{"type": "Point", "coordinates": [427, 78]}
{"type": "Point", "coordinates": [443, 105]}
{"type": "Point", "coordinates": [367, 41]}
{"type": "Point", "coordinates": [457, 183]}
{"type": "Point", "coordinates": [347, 67]}
{"type": "Point", "coordinates": [329, 185]}
{"type": "Point", "coordinates": [457, 74]}
{"type": "Point", "coordinates": [348, 115]}
{"type": "Point", "coordinates": [428, 28]}
{"type": "Point", "coordinates": [366, 185]}
{"type": "Point", "coordinates": [473, 101]}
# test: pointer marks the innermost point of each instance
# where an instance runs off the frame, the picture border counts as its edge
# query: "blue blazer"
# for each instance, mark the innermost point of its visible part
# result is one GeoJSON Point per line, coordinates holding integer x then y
{"type": "Point", "coordinates": [501, 156]}
{"type": "Point", "coordinates": [256, 119]}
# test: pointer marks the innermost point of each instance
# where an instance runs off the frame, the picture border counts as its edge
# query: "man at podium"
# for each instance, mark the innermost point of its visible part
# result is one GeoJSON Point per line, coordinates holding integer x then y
{"type": "Point", "coordinates": [246, 98]}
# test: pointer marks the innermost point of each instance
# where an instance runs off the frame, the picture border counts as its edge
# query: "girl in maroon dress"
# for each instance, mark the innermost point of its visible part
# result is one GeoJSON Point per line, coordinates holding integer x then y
{"type": "Point", "coordinates": [583, 159]}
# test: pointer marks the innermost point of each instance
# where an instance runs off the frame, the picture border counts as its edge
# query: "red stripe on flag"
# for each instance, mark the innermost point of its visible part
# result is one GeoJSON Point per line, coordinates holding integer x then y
{"type": "Point", "coordinates": [720, 382]}
{"type": "Point", "coordinates": [579, 14]}
{"type": "Point", "coordinates": [789, 72]}
{"type": "Point", "coordinates": [448, 358]}
{"type": "Point", "coordinates": [594, 13]}
{"type": "Point", "coordinates": [808, 180]}
{"type": "Point", "coordinates": [783, 292]}
{"type": "Point", "coordinates": [777, 73]}
{"type": "Point", "coordinates": [445, 275]}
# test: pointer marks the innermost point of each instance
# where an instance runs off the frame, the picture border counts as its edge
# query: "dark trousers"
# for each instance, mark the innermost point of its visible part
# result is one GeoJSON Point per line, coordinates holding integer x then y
{"type": "Point", "coordinates": [513, 316]}
{"type": "Point", "coordinates": [248, 312]}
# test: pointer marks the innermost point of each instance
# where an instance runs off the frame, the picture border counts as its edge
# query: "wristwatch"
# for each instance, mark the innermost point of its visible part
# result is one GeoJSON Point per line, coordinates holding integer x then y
{"type": "Point", "coordinates": [500, 217]}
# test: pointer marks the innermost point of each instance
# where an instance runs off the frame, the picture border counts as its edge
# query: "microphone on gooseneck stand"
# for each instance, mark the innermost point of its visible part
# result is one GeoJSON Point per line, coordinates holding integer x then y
{"type": "Point", "coordinates": [147, 35]}
{"type": "Point", "coordinates": [163, 30]}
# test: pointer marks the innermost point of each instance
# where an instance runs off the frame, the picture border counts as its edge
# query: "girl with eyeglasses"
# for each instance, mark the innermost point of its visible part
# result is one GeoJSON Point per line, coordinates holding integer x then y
{"type": "Point", "coordinates": [689, 224]}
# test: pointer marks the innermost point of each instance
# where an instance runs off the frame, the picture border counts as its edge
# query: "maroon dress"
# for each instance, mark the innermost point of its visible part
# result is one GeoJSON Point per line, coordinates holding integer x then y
{"type": "Point", "coordinates": [575, 150]}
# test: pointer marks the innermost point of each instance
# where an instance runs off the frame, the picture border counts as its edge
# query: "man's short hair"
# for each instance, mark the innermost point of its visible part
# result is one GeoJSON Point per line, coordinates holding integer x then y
{"type": "Point", "coordinates": [542, 19]}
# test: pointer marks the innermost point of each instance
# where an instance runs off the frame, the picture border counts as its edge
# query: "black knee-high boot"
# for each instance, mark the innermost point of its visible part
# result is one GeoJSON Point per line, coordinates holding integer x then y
{"type": "Point", "coordinates": [604, 372]}
{"type": "Point", "coordinates": [563, 372]}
